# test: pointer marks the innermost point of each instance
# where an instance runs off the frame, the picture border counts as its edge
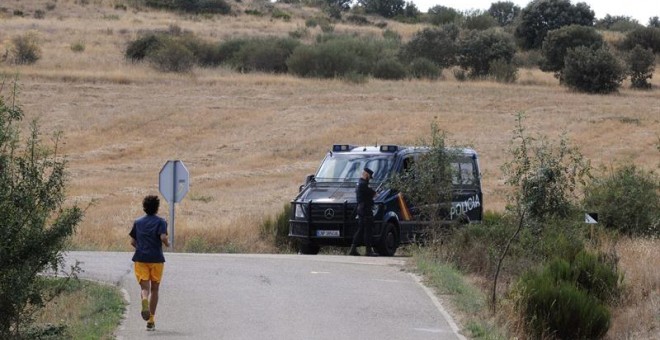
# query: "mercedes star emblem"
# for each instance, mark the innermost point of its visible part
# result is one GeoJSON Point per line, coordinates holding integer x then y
{"type": "Point", "coordinates": [329, 213]}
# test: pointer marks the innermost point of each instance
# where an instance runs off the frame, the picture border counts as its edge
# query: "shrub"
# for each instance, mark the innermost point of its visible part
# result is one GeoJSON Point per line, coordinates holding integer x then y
{"type": "Point", "coordinates": [619, 23]}
{"type": "Point", "coordinates": [39, 14]}
{"type": "Point", "coordinates": [389, 34]}
{"type": "Point", "coordinates": [280, 14]}
{"type": "Point", "coordinates": [561, 310]}
{"type": "Point", "coordinates": [504, 12]}
{"type": "Point", "coordinates": [229, 48]}
{"type": "Point", "coordinates": [436, 44]}
{"type": "Point", "coordinates": [172, 56]}
{"type": "Point", "coordinates": [647, 37]}
{"type": "Point", "coordinates": [36, 221]}
{"type": "Point", "coordinates": [139, 48]}
{"type": "Point", "coordinates": [192, 6]}
{"type": "Point", "coordinates": [311, 22]}
{"type": "Point", "coordinates": [78, 46]}
{"type": "Point", "coordinates": [592, 71]}
{"type": "Point", "coordinates": [336, 56]}
{"type": "Point", "coordinates": [390, 69]}
{"type": "Point", "coordinates": [641, 63]}
{"type": "Point", "coordinates": [544, 176]}
{"type": "Point", "coordinates": [423, 68]}
{"type": "Point", "coordinates": [627, 199]}
{"type": "Point", "coordinates": [558, 41]}
{"type": "Point", "coordinates": [478, 20]}
{"type": "Point", "coordinates": [479, 48]}
{"type": "Point", "coordinates": [25, 48]}
{"type": "Point", "coordinates": [503, 71]}
{"type": "Point", "coordinates": [442, 15]}
{"type": "Point", "coordinates": [385, 8]}
{"type": "Point", "coordinates": [299, 33]}
{"type": "Point", "coordinates": [358, 20]}
{"type": "Point", "coordinates": [277, 230]}
{"type": "Point", "coordinates": [460, 75]}
{"type": "Point", "coordinates": [265, 55]}
{"type": "Point", "coordinates": [205, 53]}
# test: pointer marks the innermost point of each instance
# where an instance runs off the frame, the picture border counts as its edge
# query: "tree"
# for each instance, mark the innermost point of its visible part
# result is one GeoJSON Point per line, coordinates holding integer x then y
{"type": "Point", "coordinates": [385, 8]}
{"type": "Point", "coordinates": [620, 23]}
{"type": "Point", "coordinates": [592, 70]}
{"type": "Point", "coordinates": [654, 22]}
{"type": "Point", "coordinates": [542, 16]}
{"type": "Point", "coordinates": [478, 20]}
{"type": "Point", "coordinates": [34, 223]}
{"type": "Point", "coordinates": [646, 37]}
{"type": "Point", "coordinates": [641, 63]}
{"type": "Point", "coordinates": [558, 41]}
{"type": "Point", "coordinates": [505, 12]}
{"type": "Point", "coordinates": [442, 15]}
{"type": "Point", "coordinates": [479, 48]}
{"type": "Point", "coordinates": [436, 44]}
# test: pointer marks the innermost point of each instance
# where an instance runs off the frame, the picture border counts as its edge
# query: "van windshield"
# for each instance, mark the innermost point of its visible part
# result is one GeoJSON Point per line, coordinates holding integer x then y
{"type": "Point", "coordinates": [345, 167]}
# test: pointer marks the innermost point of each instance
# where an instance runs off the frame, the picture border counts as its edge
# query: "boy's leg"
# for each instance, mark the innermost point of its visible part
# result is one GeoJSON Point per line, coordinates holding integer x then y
{"type": "Point", "coordinates": [153, 299]}
{"type": "Point", "coordinates": [145, 286]}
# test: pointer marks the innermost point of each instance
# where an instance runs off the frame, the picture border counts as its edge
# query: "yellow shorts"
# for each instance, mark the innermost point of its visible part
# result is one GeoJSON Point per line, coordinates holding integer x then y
{"type": "Point", "coordinates": [149, 271]}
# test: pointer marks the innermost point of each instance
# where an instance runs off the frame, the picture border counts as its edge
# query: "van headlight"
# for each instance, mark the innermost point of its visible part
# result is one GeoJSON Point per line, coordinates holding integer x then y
{"type": "Point", "coordinates": [300, 211]}
{"type": "Point", "coordinates": [375, 209]}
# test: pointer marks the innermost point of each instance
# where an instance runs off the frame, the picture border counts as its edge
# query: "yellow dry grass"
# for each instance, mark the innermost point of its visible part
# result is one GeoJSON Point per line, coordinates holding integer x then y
{"type": "Point", "coordinates": [249, 140]}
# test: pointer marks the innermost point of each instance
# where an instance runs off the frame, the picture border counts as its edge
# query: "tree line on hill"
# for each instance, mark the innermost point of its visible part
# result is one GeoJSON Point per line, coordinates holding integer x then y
{"type": "Point", "coordinates": [555, 35]}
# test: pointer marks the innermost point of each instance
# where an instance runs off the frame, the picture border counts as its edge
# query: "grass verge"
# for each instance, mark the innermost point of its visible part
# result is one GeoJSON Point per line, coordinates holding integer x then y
{"type": "Point", "coordinates": [84, 310]}
{"type": "Point", "coordinates": [466, 301]}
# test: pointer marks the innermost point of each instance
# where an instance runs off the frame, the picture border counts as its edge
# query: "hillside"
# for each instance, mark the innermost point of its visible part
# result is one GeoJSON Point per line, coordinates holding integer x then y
{"type": "Point", "coordinates": [249, 140]}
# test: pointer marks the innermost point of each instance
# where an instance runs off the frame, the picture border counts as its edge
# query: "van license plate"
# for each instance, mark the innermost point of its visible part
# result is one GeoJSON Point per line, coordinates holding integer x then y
{"type": "Point", "coordinates": [327, 233]}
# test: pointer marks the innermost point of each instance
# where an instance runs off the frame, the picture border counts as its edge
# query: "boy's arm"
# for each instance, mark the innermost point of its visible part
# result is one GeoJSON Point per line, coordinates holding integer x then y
{"type": "Point", "coordinates": [133, 243]}
{"type": "Point", "coordinates": [165, 240]}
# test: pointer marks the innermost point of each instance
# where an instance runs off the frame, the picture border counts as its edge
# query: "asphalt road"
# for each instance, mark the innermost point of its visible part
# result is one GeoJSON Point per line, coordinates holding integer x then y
{"type": "Point", "coordinates": [225, 296]}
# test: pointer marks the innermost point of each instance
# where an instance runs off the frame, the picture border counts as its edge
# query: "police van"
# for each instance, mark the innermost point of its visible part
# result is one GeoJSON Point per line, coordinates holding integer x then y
{"type": "Point", "coordinates": [325, 211]}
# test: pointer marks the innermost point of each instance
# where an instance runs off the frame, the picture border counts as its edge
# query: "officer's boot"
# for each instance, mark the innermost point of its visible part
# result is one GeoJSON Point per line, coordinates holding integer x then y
{"type": "Point", "coordinates": [370, 252]}
{"type": "Point", "coordinates": [353, 251]}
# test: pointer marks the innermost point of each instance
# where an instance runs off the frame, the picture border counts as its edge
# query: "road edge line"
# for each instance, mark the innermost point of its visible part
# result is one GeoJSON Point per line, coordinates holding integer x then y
{"type": "Point", "coordinates": [438, 305]}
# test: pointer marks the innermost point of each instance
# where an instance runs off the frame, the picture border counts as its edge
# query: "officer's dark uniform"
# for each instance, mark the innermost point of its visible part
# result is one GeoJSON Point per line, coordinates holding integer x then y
{"type": "Point", "coordinates": [365, 201]}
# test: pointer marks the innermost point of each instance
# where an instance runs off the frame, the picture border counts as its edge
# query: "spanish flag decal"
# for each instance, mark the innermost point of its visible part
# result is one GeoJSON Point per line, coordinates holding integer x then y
{"type": "Point", "coordinates": [404, 208]}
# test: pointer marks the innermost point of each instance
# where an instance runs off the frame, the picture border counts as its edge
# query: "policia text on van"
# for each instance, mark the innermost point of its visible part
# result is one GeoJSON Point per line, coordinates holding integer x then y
{"type": "Point", "coordinates": [324, 212]}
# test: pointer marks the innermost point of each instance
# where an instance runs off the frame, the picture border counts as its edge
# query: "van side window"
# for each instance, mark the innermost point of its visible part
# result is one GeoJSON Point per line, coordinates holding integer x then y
{"type": "Point", "coordinates": [463, 173]}
{"type": "Point", "coordinates": [408, 163]}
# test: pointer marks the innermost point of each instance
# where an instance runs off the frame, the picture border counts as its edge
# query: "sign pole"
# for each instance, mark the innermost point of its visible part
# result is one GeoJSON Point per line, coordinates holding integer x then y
{"type": "Point", "coordinates": [172, 205]}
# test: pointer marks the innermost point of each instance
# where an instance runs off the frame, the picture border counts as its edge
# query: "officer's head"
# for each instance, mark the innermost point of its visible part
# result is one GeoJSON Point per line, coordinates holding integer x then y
{"type": "Point", "coordinates": [367, 173]}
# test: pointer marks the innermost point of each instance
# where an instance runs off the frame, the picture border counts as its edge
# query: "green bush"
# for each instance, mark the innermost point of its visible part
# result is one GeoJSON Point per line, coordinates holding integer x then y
{"type": "Point", "coordinates": [172, 56]}
{"type": "Point", "coordinates": [561, 310]}
{"type": "Point", "coordinates": [422, 68]}
{"type": "Point", "coordinates": [592, 71]}
{"type": "Point", "coordinates": [503, 71]}
{"type": "Point", "coordinates": [337, 56]}
{"type": "Point", "coordinates": [78, 46]}
{"type": "Point", "coordinates": [390, 69]}
{"type": "Point", "coordinates": [646, 37]}
{"type": "Point", "coordinates": [436, 44]}
{"type": "Point", "coordinates": [442, 15]}
{"type": "Point", "coordinates": [558, 41]}
{"type": "Point", "coordinates": [277, 230]}
{"type": "Point", "coordinates": [264, 55]}
{"type": "Point", "coordinates": [139, 48]}
{"type": "Point", "coordinates": [25, 48]}
{"type": "Point", "coordinates": [359, 20]}
{"type": "Point", "coordinates": [192, 6]}
{"type": "Point", "coordinates": [280, 14]}
{"type": "Point", "coordinates": [479, 48]}
{"type": "Point", "coordinates": [479, 20]}
{"type": "Point", "coordinates": [627, 199]}
{"type": "Point", "coordinates": [641, 64]}
{"type": "Point", "coordinates": [619, 23]}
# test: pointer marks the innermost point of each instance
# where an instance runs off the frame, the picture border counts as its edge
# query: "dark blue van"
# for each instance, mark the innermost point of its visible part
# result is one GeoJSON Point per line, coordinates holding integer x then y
{"type": "Point", "coordinates": [324, 212]}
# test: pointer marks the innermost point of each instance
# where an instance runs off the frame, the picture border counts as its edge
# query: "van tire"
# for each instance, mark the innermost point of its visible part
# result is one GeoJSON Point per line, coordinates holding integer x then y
{"type": "Point", "coordinates": [389, 241]}
{"type": "Point", "coordinates": [307, 248]}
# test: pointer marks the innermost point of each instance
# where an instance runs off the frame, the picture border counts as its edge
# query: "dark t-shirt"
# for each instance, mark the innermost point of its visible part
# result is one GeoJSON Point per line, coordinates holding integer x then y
{"type": "Point", "coordinates": [365, 197]}
{"type": "Point", "coordinates": [146, 231]}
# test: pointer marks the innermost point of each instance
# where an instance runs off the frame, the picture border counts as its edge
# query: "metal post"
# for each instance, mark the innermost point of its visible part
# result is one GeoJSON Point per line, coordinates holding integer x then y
{"type": "Point", "coordinates": [173, 202]}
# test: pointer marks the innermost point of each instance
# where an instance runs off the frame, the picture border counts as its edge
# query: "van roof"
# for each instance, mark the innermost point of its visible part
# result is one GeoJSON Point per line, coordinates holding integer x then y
{"type": "Point", "coordinates": [392, 148]}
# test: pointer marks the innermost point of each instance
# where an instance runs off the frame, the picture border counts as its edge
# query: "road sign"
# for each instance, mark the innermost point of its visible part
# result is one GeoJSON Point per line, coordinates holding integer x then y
{"type": "Point", "coordinates": [173, 181]}
{"type": "Point", "coordinates": [591, 218]}
{"type": "Point", "coordinates": [173, 184]}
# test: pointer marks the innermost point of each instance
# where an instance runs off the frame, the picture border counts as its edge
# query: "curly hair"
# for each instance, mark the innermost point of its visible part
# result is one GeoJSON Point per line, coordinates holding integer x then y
{"type": "Point", "coordinates": [150, 204]}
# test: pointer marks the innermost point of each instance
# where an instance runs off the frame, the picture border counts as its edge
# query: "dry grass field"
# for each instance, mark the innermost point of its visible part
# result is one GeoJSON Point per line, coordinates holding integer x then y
{"type": "Point", "coordinates": [249, 140]}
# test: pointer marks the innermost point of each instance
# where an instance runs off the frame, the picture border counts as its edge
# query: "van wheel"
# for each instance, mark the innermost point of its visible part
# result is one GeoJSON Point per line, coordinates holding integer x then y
{"type": "Point", "coordinates": [389, 242]}
{"type": "Point", "coordinates": [307, 248]}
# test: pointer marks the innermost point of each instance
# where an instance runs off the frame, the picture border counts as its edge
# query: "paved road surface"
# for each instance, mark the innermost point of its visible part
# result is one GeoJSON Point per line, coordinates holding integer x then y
{"type": "Point", "coordinates": [224, 296]}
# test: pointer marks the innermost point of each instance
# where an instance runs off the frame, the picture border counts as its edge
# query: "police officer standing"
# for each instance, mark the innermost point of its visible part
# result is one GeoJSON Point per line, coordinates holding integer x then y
{"type": "Point", "coordinates": [365, 200]}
